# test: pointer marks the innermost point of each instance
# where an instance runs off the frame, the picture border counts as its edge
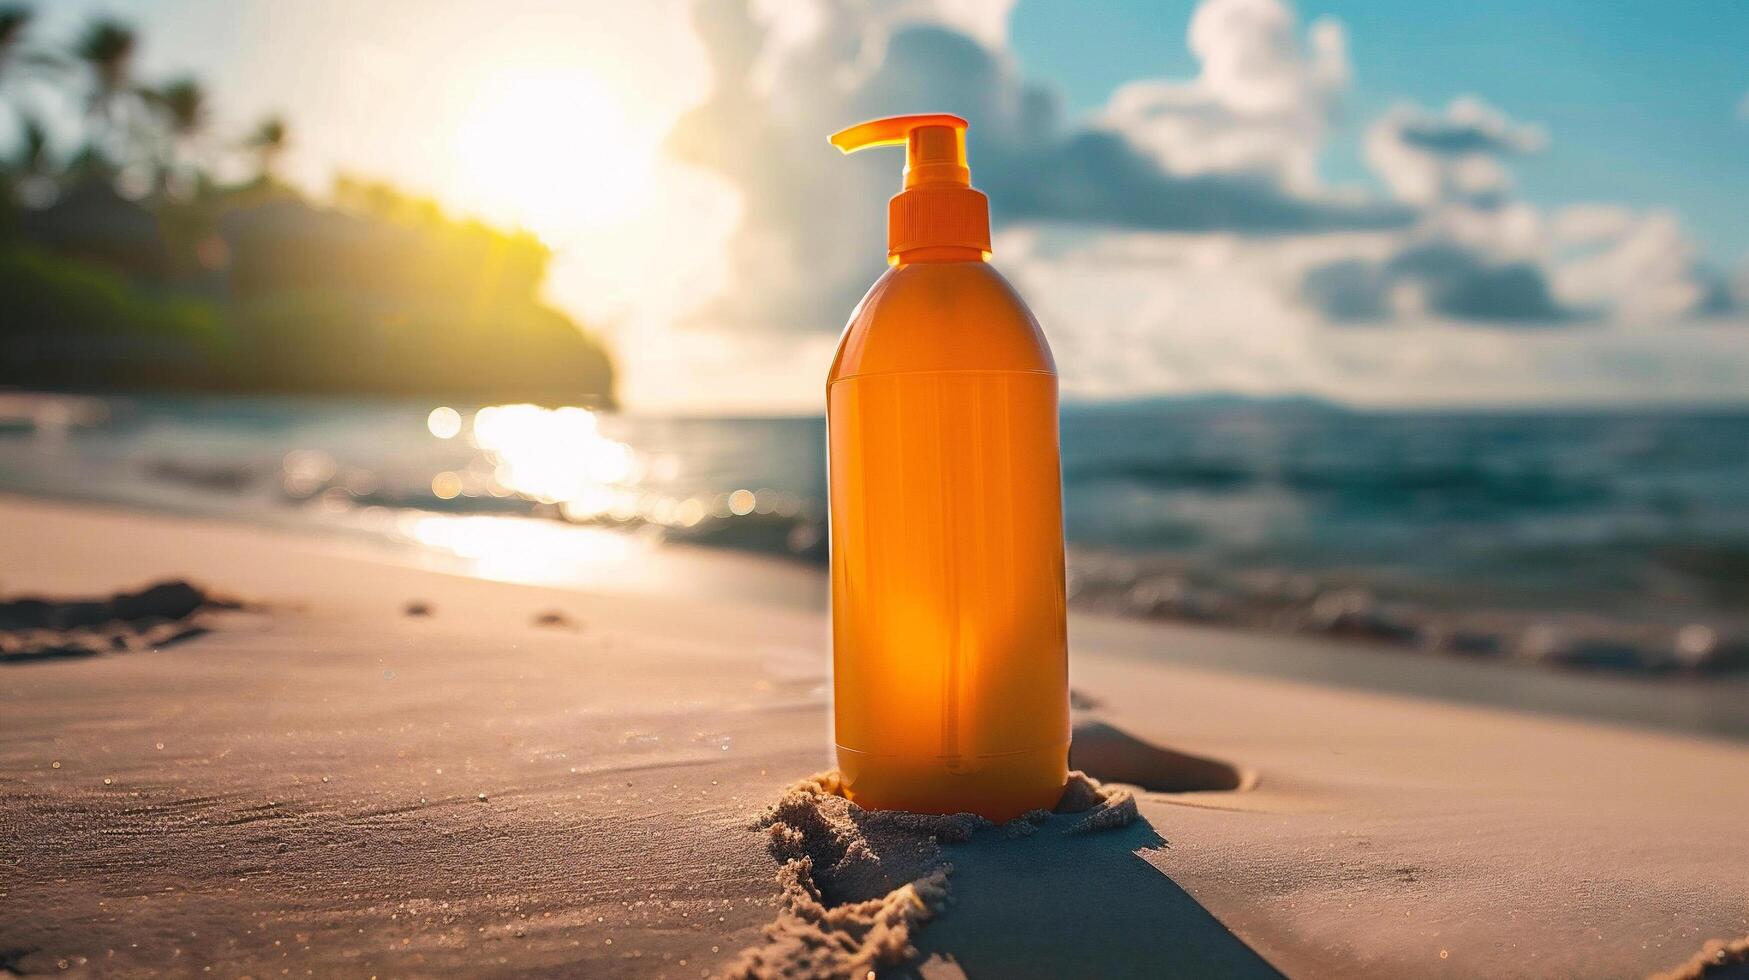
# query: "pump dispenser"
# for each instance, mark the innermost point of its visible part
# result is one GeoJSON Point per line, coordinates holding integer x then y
{"type": "Point", "coordinates": [938, 207]}
{"type": "Point", "coordinates": [950, 665]}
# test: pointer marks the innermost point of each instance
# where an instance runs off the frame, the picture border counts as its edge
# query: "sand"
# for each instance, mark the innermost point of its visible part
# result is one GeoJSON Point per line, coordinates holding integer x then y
{"type": "Point", "coordinates": [858, 885]}
{"type": "Point", "coordinates": [330, 785]}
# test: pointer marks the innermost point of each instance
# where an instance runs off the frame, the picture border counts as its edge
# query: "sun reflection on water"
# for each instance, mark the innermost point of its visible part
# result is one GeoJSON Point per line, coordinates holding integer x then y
{"type": "Point", "coordinates": [553, 455]}
{"type": "Point", "coordinates": [528, 493]}
{"type": "Point", "coordinates": [556, 457]}
{"type": "Point", "coordinates": [444, 422]}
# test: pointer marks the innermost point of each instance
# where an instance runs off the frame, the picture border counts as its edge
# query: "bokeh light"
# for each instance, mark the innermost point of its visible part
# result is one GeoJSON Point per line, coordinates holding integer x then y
{"type": "Point", "coordinates": [444, 422]}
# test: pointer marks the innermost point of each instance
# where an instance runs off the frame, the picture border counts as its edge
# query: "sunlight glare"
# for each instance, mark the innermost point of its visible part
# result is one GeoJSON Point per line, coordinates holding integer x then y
{"type": "Point", "coordinates": [552, 455]}
{"type": "Point", "coordinates": [551, 151]}
{"type": "Point", "coordinates": [517, 549]}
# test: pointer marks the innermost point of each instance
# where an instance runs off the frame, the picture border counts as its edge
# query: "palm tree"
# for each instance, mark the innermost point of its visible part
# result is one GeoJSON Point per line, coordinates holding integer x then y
{"type": "Point", "coordinates": [184, 104]}
{"type": "Point", "coordinates": [30, 167]}
{"type": "Point", "coordinates": [12, 23]}
{"type": "Point", "coordinates": [182, 107]}
{"type": "Point", "coordinates": [268, 141]}
{"type": "Point", "coordinates": [107, 50]}
{"type": "Point", "coordinates": [13, 55]}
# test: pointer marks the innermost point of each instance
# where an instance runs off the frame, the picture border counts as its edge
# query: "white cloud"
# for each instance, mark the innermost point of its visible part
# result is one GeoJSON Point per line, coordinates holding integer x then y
{"type": "Point", "coordinates": [1145, 313]}
{"type": "Point", "coordinates": [1182, 241]}
{"type": "Point", "coordinates": [787, 75]}
{"type": "Point", "coordinates": [1427, 158]}
{"type": "Point", "coordinates": [1261, 105]}
{"type": "Point", "coordinates": [1643, 270]}
{"type": "Point", "coordinates": [1591, 224]}
{"type": "Point", "coordinates": [1479, 254]}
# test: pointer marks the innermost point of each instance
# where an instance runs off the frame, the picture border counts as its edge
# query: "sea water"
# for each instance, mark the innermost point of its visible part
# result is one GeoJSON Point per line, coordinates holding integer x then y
{"type": "Point", "coordinates": [1614, 539]}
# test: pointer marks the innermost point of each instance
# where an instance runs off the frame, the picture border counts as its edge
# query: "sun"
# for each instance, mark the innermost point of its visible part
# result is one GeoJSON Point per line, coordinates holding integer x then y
{"type": "Point", "coordinates": [552, 152]}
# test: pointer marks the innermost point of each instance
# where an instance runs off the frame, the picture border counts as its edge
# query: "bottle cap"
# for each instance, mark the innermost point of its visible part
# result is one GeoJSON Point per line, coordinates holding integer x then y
{"type": "Point", "coordinates": [938, 205]}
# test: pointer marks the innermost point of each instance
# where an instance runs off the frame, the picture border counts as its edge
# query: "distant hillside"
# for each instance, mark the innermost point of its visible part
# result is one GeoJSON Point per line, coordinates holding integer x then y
{"type": "Point", "coordinates": [256, 288]}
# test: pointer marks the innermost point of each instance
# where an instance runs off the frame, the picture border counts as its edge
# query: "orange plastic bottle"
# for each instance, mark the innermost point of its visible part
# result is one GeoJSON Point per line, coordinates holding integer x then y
{"type": "Point", "coordinates": [949, 647]}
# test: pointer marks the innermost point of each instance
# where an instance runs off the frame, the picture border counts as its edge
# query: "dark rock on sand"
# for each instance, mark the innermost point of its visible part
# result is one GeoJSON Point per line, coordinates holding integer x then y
{"type": "Point", "coordinates": [34, 628]}
{"type": "Point", "coordinates": [557, 620]}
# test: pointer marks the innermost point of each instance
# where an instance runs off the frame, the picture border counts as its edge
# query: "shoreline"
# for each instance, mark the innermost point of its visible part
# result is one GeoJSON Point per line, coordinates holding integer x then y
{"type": "Point", "coordinates": [1711, 705]}
{"type": "Point", "coordinates": [520, 775]}
{"type": "Point", "coordinates": [1646, 592]}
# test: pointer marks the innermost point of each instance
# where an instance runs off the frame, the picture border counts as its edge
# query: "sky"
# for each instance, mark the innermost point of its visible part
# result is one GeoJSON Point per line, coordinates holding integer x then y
{"type": "Point", "coordinates": [1641, 98]}
{"type": "Point", "coordinates": [1407, 203]}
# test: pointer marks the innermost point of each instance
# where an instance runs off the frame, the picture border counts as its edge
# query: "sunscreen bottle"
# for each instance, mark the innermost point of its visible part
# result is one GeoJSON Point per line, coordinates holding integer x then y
{"type": "Point", "coordinates": [950, 666]}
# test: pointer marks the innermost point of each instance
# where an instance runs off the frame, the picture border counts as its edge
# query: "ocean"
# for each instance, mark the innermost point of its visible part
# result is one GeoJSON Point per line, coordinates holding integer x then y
{"type": "Point", "coordinates": [1615, 540]}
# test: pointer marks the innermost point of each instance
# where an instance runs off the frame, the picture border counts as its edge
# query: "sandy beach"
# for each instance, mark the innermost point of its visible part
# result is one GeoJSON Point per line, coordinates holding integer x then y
{"type": "Point", "coordinates": [376, 769]}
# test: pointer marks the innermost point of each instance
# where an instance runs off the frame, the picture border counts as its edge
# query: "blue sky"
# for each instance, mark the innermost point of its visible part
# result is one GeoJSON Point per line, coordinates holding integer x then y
{"type": "Point", "coordinates": [1640, 98]}
{"type": "Point", "coordinates": [1391, 202]}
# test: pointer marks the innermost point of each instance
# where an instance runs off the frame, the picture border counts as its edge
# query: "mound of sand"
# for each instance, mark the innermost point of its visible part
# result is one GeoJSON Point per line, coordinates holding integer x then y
{"type": "Point", "coordinates": [857, 884]}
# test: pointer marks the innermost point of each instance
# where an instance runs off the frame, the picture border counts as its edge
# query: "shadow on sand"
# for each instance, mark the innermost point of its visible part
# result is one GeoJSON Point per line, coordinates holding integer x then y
{"type": "Point", "coordinates": [1055, 905]}
{"type": "Point", "coordinates": [1056, 894]}
{"type": "Point", "coordinates": [1070, 905]}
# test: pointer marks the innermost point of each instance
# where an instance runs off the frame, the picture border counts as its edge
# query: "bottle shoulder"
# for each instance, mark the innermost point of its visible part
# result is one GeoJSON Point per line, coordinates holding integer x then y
{"type": "Point", "coordinates": [941, 316]}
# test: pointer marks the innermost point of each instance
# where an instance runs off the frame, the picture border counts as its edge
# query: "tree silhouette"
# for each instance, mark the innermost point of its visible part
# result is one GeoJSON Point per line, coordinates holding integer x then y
{"type": "Point", "coordinates": [181, 106]}
{"type": "Point", "coordinates": [29, 168]}
{"type": "Point", "coordinates": [269, 142]}
{"type": "Point", "coordinates": [13, 21]}
{"type": "Point", "coordinates": [15, 58]}
{"type": "Point", "coordinates": [107, 51]}
{"type": "Point", "coordinates": [184, 105]}
{"type": "Point", "coordinates": [107, 48]}
{"type": "Point", "coordinates": [147, 271]}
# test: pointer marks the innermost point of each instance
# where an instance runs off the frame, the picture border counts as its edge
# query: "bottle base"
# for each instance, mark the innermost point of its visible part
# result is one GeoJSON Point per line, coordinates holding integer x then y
{"type": "Point", "coordinates": [996, 787]}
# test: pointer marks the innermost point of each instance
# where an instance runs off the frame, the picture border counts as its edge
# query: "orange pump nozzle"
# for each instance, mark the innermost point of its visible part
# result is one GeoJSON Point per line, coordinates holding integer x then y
{"type": "Point", "coordinates": [938, 206]}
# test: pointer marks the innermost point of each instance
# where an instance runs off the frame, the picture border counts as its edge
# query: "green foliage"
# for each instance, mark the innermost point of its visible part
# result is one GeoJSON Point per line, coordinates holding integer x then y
{"type": "Point", "coordinates": [68, 324]}
{"type": "Point", "coordinates": [386, 293]}
{"type": "Point", "coordinates": [326, 341]}
{"type": "Point", "coordinates": [252, 286]}
{"type": "Point", "coordinates": [50, 293]}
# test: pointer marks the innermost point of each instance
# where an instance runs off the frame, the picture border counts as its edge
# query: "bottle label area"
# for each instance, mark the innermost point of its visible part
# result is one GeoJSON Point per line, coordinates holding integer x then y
{"type": "Point", "coordinates": [947, 569]}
